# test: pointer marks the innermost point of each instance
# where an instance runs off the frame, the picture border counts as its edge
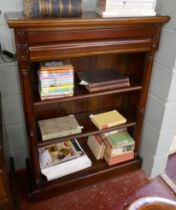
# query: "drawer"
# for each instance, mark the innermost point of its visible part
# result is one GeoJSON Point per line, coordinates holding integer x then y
{"type": "Point", "coordinates": [36, 37]}
{"type": "Point", "coordinates": [83, 48]}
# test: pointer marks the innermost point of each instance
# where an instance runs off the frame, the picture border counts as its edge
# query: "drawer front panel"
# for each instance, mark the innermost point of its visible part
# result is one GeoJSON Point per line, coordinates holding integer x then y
{"type": "Point", "coordinates": [84, 48]}
{"type": "Point", "coordinates": [89, 34]}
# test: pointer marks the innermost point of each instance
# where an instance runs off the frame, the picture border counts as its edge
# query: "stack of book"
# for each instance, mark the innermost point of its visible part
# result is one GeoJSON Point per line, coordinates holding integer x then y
{"type": "Point", "coordinates": [59, 127]}
{"type": "Point", "coordinates": [127, 8]}
{"type": "Point", "coordinates": [100, 80]}
{"type": "Point", "coordinates": [107, 119]}
{"type": "Point", "coordinates": [119, 147]}
{"type": "Point", "coordinates": [61, 159]}
{"type": "Point", "coordinates": [56, 79]}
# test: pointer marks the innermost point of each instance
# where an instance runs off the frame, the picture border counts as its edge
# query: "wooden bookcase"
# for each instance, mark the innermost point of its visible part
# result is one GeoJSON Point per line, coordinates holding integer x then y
{"type": "Point", "coordinates": [91, 42]}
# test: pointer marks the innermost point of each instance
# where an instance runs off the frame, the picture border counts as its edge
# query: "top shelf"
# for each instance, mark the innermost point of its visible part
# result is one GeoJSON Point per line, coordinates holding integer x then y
{"type": "Point", "coordinates": [18, 20]}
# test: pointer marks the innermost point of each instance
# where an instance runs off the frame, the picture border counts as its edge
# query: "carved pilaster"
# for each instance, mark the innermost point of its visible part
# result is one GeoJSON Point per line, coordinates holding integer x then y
{"type": "Point", "coordinates": [22, 46]}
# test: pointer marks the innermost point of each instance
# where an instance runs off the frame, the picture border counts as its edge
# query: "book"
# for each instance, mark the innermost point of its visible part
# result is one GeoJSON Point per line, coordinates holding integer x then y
{"type": "Point", "coordinates": [50, 8]}
{"type": "Point", "coordinates": [103, 77]}
{"type": "Point", "coordinates": [107, 119]}
{"type": "Point", "coordinates": [96, 145]}
{"type": "Point", "coordinates": [67, 167]}
{"type": "Point", "coordinates": [126, 13]}
{"type": "Point", "coordinates": [56, 66]}
{"type": "Point", "coordinates": [61, 159]}
{"type": "Point", "coordinates": [118, 140]}
{"type": "Point", "coordinates": [48, 97]}
{"type": "Point", "coordinates": [107, 87]}
{"type": "Point", "coordinates": [59, 152]}
{"type": "Point", "coordinates": [113, 152]}
{"type": "Point", "coordinates": [129, 8]}
{"type": "Point", "coordinates": [118, 159]}
{"type": "Point", "coordinates": [59, 127]}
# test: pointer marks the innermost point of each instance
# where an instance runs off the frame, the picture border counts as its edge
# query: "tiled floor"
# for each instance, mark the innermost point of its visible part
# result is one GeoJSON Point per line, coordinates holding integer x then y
{"type": "Point", "coordinates": [171, 168]}
{"type": "Point", "coordinates": [109, 195]}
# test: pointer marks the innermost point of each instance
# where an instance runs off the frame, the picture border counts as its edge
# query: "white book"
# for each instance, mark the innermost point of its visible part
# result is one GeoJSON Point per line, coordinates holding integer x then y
{"type": "Point", "coordinates": [125, 13]}
{"type": "Point", "coordinates": [129, 4]}
{"type": "Point", "coordinates": [66, 168]}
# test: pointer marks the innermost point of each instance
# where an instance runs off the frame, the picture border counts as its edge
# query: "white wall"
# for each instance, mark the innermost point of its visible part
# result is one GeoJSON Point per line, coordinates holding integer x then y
{"type": "Point", "coordinates": [160, 112]}
{"type": "Point", "coordinates": [160, 116]}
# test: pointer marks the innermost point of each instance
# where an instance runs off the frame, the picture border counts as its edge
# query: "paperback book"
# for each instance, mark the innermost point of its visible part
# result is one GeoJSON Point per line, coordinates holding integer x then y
{"type": "Point", "coordinates": [59, 152]}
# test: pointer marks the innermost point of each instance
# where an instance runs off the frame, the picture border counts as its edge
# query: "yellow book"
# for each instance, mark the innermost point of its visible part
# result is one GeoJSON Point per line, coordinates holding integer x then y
{"type": "Point", "coordinates": [107, 119]}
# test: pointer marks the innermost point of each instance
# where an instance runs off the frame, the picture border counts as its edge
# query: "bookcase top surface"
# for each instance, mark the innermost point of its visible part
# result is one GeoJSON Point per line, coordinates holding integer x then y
{"type": "Point", "coordinates": [18, 20]}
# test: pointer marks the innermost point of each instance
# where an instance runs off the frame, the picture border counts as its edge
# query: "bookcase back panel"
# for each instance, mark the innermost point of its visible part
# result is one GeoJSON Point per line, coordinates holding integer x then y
{"type": "Point", "coordinates": [124, 102]}
{"type": "Point", "coordinates": [60, 109]}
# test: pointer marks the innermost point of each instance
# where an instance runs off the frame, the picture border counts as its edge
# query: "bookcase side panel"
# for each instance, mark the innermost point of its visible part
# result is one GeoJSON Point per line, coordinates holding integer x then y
{"type": "Point", "coordinates": [24, 73]}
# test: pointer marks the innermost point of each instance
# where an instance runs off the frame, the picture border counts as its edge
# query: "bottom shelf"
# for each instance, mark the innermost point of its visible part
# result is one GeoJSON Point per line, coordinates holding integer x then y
{"type": "Point", "coordinates": [99, 171]}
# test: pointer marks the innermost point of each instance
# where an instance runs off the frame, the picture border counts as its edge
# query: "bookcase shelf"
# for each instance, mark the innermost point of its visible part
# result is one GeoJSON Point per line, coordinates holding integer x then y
{"type": "Point", "coordinates": [82, 93]}
{"type": "Point", "coordinates": [89, 129]}
{"type": "Point", "coordinates": [126, 45]}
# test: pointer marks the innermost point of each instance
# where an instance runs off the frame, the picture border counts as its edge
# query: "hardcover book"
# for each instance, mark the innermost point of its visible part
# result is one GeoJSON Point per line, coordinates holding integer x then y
{"type": "Point", "coordinates": [107, 119]}
{"type": "Point", "coordinates": [50, 8]}
{"type": "Point", "coordinates": [104, 77]}
{"type": "Point", "coordinates": [59, 127]}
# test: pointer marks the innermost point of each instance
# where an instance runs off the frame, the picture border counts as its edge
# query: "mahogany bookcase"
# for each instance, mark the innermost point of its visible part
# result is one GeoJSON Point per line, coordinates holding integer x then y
{"type": "Point", "coordinates": [90, 42]}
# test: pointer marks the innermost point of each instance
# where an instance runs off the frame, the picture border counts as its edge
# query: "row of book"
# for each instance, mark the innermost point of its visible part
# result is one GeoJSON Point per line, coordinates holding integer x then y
{"type": "Point", "coordinates": [56, 79]}
{"type": "Point", "coordinates": [115, 147]}
{"type": "Point", "coordinates": [60, 159]}
{"type": "Point", "coordinates": [127, 8]}
{"type": "Point", "coordinates": [57, 160]}
{"type": "Point", "coordinates": [68, 125]}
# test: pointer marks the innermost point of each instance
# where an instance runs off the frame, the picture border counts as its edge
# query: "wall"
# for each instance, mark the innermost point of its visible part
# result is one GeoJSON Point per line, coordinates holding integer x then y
{"type": "Point", "coordinates": [13, 119]}
{"type": "Point", "coordinates": [159, 118]}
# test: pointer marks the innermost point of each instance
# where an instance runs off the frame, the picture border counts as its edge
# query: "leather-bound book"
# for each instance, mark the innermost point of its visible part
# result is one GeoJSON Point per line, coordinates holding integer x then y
{"type": "Point", "coordinates": [103, 79]}
{"type": "Point", "coordinates": [52, 8]}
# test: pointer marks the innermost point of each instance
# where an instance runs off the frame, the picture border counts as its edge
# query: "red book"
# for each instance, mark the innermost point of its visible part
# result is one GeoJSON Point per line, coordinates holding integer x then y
{"type": "Point", "coordinates": [118, 159]}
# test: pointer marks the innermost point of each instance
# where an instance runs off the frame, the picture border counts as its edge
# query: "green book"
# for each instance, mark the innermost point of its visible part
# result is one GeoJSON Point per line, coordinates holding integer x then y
{"type": "Point", "coordinates": [119, 140]}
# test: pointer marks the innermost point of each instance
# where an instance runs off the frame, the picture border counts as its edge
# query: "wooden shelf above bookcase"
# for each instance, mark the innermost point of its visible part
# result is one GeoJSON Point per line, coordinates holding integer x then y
{"type": "Point", "coordinates": [92, 43]}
